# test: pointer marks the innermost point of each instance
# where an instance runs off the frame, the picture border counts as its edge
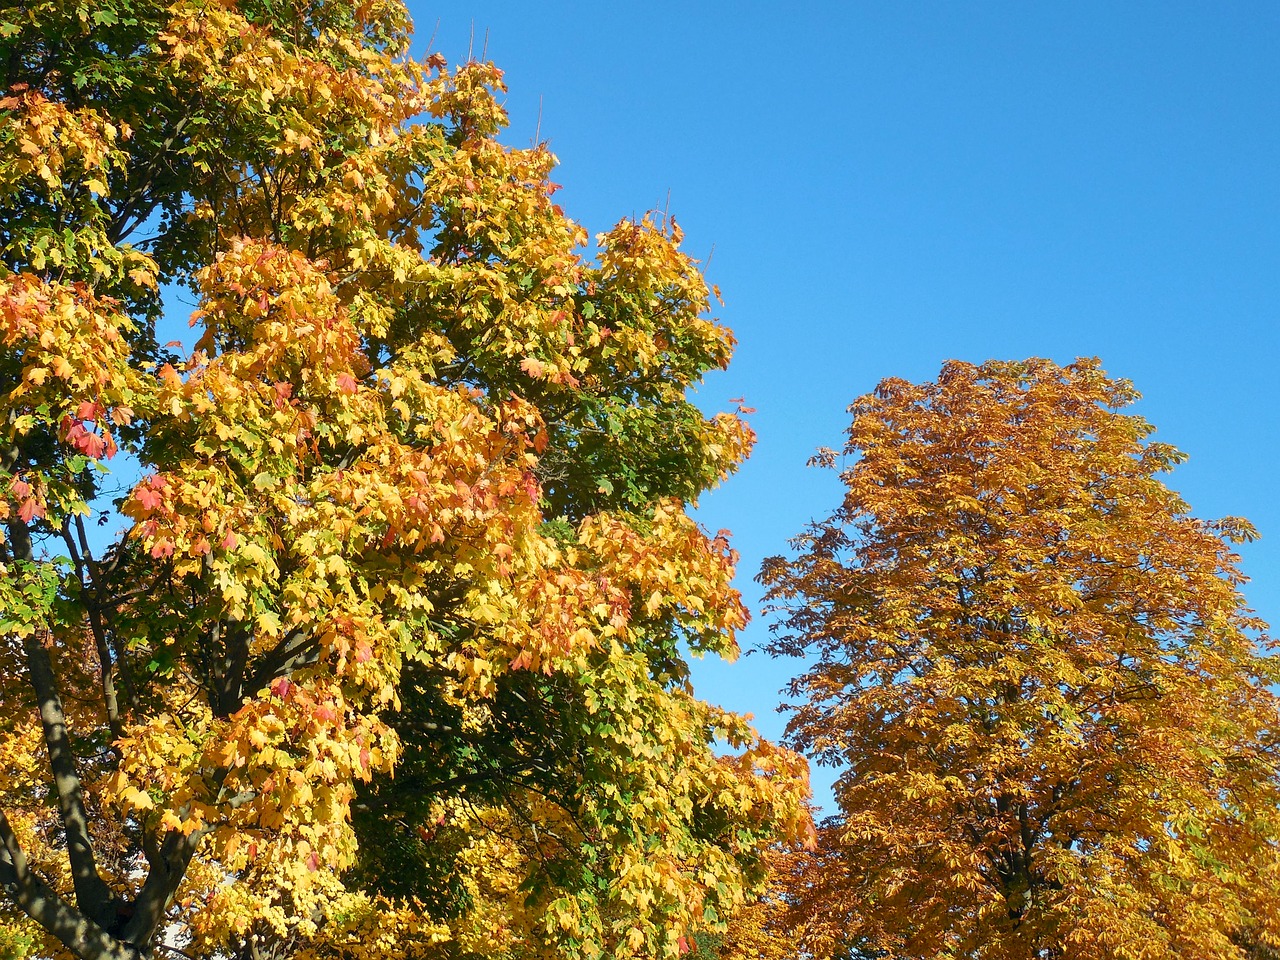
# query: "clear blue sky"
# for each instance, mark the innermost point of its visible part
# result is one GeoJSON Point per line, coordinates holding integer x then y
{"type": "Point", "coordinates": [889, 185]}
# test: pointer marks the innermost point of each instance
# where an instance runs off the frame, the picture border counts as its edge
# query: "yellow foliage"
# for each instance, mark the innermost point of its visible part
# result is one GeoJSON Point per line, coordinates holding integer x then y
{"type": "Point", "coordinates": [415, 493]}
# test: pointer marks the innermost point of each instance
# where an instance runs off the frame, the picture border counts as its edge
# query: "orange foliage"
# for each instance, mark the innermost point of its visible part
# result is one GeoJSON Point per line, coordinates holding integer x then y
{"type": "Point", "coordinates": [1053, 711]}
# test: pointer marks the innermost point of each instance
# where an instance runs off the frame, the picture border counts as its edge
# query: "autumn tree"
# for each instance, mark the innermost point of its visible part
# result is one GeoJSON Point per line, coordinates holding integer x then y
{"type": "Point", "coordinates": [388, 654]}
{"type": "Point", "coordinates": [1052, 711]}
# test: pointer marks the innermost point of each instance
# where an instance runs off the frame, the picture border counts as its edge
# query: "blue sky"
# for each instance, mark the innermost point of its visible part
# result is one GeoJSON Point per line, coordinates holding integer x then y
{"type": "Point", "coordinates": [887, 185]}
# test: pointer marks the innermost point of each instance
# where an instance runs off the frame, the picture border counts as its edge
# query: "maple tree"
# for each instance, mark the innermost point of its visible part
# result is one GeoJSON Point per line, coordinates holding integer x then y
{"type": "Point", "coordinates": [389, 656]}
{"type": "Point", "coordinates": [1054, 715]}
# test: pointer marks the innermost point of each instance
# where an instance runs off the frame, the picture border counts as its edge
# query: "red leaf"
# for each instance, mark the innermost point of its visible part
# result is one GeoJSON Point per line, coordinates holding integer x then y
{"type": "Point", "coordinates": [149, 497]}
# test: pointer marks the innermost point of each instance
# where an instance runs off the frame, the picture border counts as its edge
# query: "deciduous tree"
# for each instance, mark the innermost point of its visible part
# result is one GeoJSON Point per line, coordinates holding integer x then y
{"type": "Point", "coordinates": [1053, 712]}
{"type": "Point", "coordinates": [388, 658]}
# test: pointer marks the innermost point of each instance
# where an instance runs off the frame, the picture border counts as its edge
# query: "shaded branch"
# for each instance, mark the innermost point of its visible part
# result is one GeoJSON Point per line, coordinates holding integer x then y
{"type": "Point", "coordinates": [168, 862]}
{"type": "Point", "coordinates": [297, 649]}
{"type": "Point", "coordinates": [41, 902]}
{"type": "Point", "coordinates": [93, 896]}
{"type": "Point", "coordinates": [83, 561]}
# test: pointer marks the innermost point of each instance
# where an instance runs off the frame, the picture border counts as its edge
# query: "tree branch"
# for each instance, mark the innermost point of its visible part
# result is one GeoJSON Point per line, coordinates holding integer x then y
{"type": "Point", "coordinates": [94, 898]}
{"type": "Point", "coordinates": [42, 904]}
{"type": "Point", "coordinates": [168, 861]}
{"type": "Point", "coordinates": [296, 649]}
{"type": "Point", "coordinates": [84, 565]}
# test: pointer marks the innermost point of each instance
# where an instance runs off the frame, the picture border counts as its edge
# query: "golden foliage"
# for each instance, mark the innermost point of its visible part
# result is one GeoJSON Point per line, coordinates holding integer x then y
{"type": "Point", "coordinates": [416, 493]}
{"type": "Point", "coordinates": [1053, 711]}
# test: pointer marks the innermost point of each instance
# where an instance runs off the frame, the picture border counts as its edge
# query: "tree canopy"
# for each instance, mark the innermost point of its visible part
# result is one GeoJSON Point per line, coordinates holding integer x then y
{"type": "Point", "coordinates": [1052, 711]}
{"type": "Point", "coordinates": [388, 656]}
